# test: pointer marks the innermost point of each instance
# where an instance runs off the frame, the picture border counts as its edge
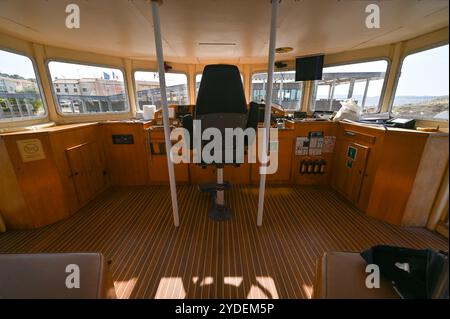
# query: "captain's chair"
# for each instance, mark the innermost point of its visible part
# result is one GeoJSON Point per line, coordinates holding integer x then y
{"type": "Point", "coordinates": [220, 104]}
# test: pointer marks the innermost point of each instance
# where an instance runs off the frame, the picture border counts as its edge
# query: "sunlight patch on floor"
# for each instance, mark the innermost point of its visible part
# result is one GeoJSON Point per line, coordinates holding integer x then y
{"type": "Point", "coordinates": [125, 288]}
{"type": "Point", "coordinates": [173, 287]}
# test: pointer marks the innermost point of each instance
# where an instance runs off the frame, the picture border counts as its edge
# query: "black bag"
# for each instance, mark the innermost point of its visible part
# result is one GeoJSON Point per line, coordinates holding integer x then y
{"type": "Point", "coordinates": [415, 273]}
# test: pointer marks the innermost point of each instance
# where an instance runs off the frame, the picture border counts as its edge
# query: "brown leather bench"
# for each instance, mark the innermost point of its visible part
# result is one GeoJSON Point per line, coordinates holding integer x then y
{"type": "Point", "coordinates": [44, 276]}
{"type": "Point", "coordinates": [342, 275]}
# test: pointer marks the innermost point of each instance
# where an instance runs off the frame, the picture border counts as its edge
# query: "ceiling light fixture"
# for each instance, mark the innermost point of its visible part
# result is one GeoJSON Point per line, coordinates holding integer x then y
{"type": "Point", "coordinates": [283, 49]}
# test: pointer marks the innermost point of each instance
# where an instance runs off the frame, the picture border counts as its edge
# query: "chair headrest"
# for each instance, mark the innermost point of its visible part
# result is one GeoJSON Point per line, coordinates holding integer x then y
{"type": "Point", "coordinates": [221, 90]}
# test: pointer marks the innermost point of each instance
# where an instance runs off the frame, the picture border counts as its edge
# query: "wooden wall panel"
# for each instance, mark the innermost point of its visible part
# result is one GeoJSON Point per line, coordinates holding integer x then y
{"type": "Point", "coordinates": [395, 175]}
{"type": "Point", "coordinates": [13, 207]}
{"type": "Point", "coordinates": [431, 169]}
{"type": "Point", "coordinates": [286, 145]}
{"type": "Point", "coordinates": [302, 129]}
{"type": "Point", "coordinates": [157, 160]}
{"type": "Point", "coordinates": [126, 163]}
{"type": "Point", "coordinates": [39, 182]}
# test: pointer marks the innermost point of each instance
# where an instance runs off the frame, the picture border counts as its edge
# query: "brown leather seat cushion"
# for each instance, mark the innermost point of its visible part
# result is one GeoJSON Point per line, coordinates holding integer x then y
{"type": "Point", "coordinates": [341, 275]}
{"type": "Point", "coordinates": [44, 276]}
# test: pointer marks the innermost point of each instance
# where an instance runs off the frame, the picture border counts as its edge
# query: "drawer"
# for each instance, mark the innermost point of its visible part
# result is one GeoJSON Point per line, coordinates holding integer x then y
{"type": "Point", "coordinates": [358, 136]}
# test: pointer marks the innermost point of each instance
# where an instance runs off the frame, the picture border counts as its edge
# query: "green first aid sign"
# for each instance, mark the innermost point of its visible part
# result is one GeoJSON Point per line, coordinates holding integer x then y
{"type": "Point", "coordinates": [351, 152]}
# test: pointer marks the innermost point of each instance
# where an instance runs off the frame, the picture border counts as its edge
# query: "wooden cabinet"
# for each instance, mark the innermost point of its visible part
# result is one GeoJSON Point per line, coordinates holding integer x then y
{"type": "Point", "coordinates": [350, 169]}
{"type": "Point", "coordinates": [354, 162]}
{"type": "Point", "coordinates": [157, 160]}
{"type": "Point", "coordinates": [45, 176]}
{"type": "Point", "coordinates": [39, 189]}
{"type": "Point", "coordinates": [126, 153]}
{"type": "Point", "coordinates": [325, 159]}
{"type": "Point", "coordinates": [87, 171]}
{"type": "Point", "coordinates": [284, 151]}
{"type": "Point", "coordinates": [395, 174]}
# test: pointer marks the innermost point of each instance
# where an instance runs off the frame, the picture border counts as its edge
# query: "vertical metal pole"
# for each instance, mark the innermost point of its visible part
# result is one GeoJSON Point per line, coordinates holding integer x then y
{"type": "Point", "coordinates": [165, 110]}
{"type": "Point", "coordinates": [268, 108]}
{"type": "Point", "coordinates": [220, 199]}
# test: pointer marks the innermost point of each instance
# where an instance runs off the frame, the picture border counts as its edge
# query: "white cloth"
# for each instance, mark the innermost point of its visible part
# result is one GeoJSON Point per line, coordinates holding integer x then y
{"type": "Point", "coordinates": [349, 111]}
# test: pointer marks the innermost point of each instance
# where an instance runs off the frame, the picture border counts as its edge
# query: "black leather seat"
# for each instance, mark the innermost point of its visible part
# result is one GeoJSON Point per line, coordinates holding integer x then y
{"type": "Point", "coordinates": [220, 104]}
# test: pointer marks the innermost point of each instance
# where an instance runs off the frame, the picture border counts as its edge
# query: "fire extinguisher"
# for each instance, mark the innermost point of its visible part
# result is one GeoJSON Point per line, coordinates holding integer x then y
{"type": "Point", "coordinates": [316, 167]}
{"type": "Point", "coordinates": [303, 167]}
{"type": "Point", "coordinates": [322, 166]}
{"type": "Point", "coordinates": [310, 166]}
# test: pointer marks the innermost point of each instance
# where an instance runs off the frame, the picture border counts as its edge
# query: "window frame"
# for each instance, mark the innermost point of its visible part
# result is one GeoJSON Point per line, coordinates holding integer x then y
{"type": "Point", "coordinates": [383, 89]}
{"type": "Point", "coordinates": [40, 88]}
{"type": "Point", "coordinates": [302, 96]}
{"type": "Point", "coordinates": [138, 110]}
{"type": "Point", "coordinates": [55, 99]}
{"type": "Point", "coordinates": [399, 72]}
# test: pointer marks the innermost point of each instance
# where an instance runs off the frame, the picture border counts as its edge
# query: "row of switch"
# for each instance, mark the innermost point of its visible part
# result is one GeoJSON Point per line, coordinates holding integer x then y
{"type": "Point", "coordinates": [309, 166]}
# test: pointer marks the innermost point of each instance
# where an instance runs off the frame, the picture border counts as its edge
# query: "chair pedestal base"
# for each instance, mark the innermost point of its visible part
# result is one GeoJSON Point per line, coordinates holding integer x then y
{"type": "Point", "coordinates": [219, 212]}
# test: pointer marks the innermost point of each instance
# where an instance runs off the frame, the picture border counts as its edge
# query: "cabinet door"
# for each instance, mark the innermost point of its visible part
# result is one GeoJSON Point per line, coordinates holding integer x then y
{"type": "Point", "coordinates": [350, 169]}
{"type": "Point", "coordinates": [356, 165]}
{"type": "Point", "coordinates": [87, 171]}
{"type": "Point", "coordinates": [157, 164]}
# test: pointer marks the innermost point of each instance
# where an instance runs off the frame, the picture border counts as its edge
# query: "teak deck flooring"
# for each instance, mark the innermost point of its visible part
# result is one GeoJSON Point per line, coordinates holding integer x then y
{"type": "Point", "coordinates": [150, 258]}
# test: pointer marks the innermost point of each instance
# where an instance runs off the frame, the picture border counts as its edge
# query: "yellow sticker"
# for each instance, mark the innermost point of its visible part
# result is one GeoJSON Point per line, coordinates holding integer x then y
{"type": "Point", "coordinates": [31, 150]}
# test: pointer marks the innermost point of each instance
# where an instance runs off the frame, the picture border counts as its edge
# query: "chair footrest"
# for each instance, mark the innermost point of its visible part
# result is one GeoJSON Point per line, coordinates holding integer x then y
{"type": "Point", "coordinates": [212, 187]}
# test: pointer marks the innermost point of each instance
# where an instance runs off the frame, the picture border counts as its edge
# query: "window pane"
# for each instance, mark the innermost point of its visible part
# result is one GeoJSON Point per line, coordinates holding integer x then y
{"type": "Point", "coordinates": [147, 86]}
{"type": "Point", "coordinates": [198, 78]}
{"type": "Point", "coordinates": [20, 96]}
{"type": "Point", "coordinates": [422, 90]}
{"type": "Point", "coordinates": [286, 92]}
{"type": "Point", "coordinates": [81, 88]}
{"type": "Point", "coordinates": [362, 82]}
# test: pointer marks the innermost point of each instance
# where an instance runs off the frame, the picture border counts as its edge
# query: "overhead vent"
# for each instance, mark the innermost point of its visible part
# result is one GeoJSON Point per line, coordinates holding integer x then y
{"type": "Point", "coordinates": [216, 43]}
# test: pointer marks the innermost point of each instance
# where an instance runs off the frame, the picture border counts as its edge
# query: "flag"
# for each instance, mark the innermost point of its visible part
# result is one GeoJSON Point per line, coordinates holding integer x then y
{"type": "Point", "coordinates": [105, 76]}
{"type": "Point", "coordinates": [115, 76]}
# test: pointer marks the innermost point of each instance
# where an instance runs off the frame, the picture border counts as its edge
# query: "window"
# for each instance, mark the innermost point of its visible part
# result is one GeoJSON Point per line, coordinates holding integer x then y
{"type": "Point", "coordinates": [103, 88]}
{"type": "Point", "coordinates": [198, 79]}
{"type": "Point", "coordinates": [20, 94]}
{"type": "Point", "coordinates": [147, 88]}
{"type": "Point", "coordinates": [286, 92]}
{"type": "Point", "coordinates": [362, 82]}
{"type": "Point", "coordinates": [422, 90]}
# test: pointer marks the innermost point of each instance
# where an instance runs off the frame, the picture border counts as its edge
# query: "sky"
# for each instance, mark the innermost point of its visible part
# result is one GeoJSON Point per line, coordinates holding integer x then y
{"type": "Point", "coordinates": [431, 66]}
{"type": "Point", "coordinates": [424, 73]}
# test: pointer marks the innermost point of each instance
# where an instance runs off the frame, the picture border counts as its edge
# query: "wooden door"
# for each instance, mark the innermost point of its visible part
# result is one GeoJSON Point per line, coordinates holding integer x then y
{"type": "Point", "coordinates": [87, 171]}
{"type": "Point", "coordinates": [355, 165]}
{"type": "Point", "coordinates": [349, 168]}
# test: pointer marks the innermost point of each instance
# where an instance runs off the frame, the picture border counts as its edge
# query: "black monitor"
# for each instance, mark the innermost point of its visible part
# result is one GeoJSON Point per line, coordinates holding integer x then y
{"type": "Point", "coordinates": [309, 68]}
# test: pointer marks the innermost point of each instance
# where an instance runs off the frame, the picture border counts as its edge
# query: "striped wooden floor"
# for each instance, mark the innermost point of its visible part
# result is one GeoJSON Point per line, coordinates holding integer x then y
{"type": "Point", "coordinates": [151, 258]}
